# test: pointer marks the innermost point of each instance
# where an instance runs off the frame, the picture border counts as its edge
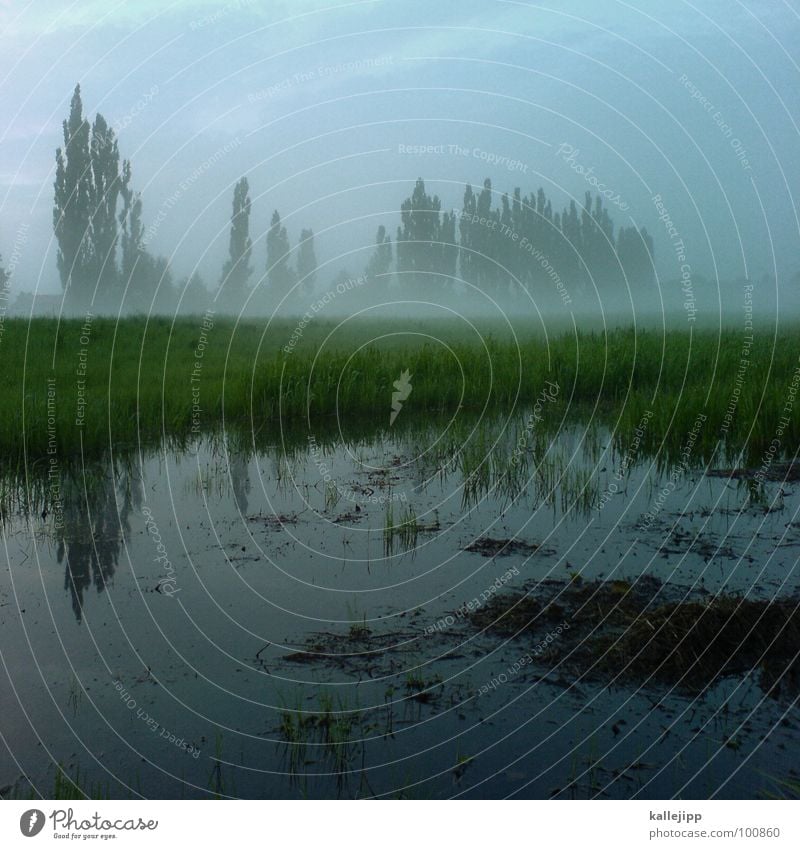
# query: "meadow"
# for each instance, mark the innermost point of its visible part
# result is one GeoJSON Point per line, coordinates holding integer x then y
{"type": "Point", "coordinates": [74, 387]}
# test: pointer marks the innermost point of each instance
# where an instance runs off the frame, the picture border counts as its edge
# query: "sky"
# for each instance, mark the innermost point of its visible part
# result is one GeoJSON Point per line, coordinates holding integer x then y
{"type": "Point", "coordinates": [332, 110]}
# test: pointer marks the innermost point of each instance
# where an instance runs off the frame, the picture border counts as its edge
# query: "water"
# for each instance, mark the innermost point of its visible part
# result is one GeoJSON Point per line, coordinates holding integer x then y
{"type": "Point", "coordinates": [217, 621]}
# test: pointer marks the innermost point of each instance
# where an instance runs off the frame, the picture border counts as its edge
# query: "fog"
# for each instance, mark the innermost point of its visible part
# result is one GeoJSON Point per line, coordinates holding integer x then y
{"type": "Point", "coordinates": [401, 400]}
{"type": "Point", "coordinates": [682, 118]}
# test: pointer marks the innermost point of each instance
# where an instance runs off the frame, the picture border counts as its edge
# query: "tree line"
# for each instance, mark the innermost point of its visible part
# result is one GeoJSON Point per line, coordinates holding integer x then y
{"type": "Point", "coordinates": [103, 259]}
{"type": "Point", "coordinates": [522, 243]}
{"type": "Point", "coordinates": [104, 262]}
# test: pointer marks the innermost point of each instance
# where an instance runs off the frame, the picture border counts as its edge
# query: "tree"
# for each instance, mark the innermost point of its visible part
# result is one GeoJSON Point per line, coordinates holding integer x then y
{"type": "Point", "coordinates": [130, 220]}
{"type": "Point", "coordinates": [507, 252]}
{"type": "Point", "coordinates": [87, 189]}
{"type": "Point", "coordinates": [468, 259]}
{"type": "Point", "coordinates": [4, 286]}
{"type": "Point", "coordinates": [380, 263]}
{"type": "Point", "coordinates": [482, 234]}
{"type": "Point", "coordinates": [237, 270]}
{"type": "Point", "coordinates": [526, 237]}
{"type": "Point", "coordinates": [402, 254]}
{"type": "Point", "coordinates": [104, 189]}
{"type": "Point", "coordinates": [279, 275]}
{"type": "Point", "coordinates": [72, 211]}
{"type": "Point", "coordinates": [421, 237]}
{"type": "Point", "coordinates": [135, 260]}
{"type": "Point", "coordinates": [145, 281]}
{"type": "Point", "coordinates": [138, 266]}
{"type": "Point", "coordinates": [449, 246]}
{"type": "Point", "coordinates": [307, 261]}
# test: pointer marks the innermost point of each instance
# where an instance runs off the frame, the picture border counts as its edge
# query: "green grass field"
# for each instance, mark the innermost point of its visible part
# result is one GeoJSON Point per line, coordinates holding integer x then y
{"type": "Point", "coordinates": [136, 381]}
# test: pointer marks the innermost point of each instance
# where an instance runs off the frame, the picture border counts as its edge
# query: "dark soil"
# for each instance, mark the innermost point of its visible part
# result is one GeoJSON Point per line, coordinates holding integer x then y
{"type": "Point", "coordinates": [489, 547]}
{"type": "Point", "coordinates": [636, 633]}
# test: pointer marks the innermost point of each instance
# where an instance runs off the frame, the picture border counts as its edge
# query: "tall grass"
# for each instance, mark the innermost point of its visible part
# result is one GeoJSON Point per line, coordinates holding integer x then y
{"type": "Point", "coordinates": [138, 383]}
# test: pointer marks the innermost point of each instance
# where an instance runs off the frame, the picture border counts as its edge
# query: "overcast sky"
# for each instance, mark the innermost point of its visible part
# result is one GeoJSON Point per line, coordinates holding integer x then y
{"type": "Point", "coordinates": [316, 102]}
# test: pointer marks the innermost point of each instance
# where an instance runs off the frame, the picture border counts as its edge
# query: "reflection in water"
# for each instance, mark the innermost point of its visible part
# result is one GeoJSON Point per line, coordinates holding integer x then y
{"type": "Point", "coordinates": [96, 506]}
{"type": "Point", "coordinates": [538, 503]}
{"type": "Point", "coordinates": [508, 467]}
{"type": "Point", "coordinates": [238, 466]}
{"type": "Point", "coordinates": [93, 515]}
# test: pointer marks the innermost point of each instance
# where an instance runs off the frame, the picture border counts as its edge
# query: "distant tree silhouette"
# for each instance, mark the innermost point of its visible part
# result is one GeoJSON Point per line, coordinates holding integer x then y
{"type": "Point", "coordinates": [497, 239]}
{"type": "Point", "coordinates": [145, 281]}
{"type": "Point", "coordinates": [130, 219]}
{"type": "Point", "coordinates": [419, 241]}
{"type": "Point", "coordinates": [279, 275]}
{"type": "Point", "coordinates": [523, 240]}
{"type": "Point", "coordinates": [467, 228]}
{"type": "Point", "coordinates": [380, 263]}
{"type": "Point", "coordinates": [403, 260]}
{"type": "Point", "coordinates": [307, 261]}
{"type": "Point", "coordinates": [236, 271]}
{"type": "Point", "coordinates": [448, 246]}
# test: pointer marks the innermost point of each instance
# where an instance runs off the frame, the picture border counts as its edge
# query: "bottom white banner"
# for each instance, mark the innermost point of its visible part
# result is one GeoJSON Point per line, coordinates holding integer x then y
{"type": "Point", "coordinates": [336, 824]}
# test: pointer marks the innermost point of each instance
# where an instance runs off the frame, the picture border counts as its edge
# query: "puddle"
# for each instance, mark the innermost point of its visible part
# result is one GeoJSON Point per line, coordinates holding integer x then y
{"type": "Point", "coordinates": [401, 617]}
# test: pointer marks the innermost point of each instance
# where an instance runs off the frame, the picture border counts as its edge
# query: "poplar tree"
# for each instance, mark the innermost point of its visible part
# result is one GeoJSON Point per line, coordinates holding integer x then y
{"type": "Point", "coordinates": [421, 236]}
{"type": "Point", "coordinates": [145, 281]}
{"type": "Point", "coordinates": [307, 261]}
{"type": "Point", "coordinates": [236, 271]}
{"type": "Point", "coordinates": [4, 278]}
{"type": "Point", "coordinates": [87, 188]}
{"type": "Point", "coordinates": [72, 210]}
{"type": "Point", "coordinates": [104, 190]}
{"type": "Point", "coordinates": [279, 275]}
{"type": "Point", "coordinates": [380, 262]}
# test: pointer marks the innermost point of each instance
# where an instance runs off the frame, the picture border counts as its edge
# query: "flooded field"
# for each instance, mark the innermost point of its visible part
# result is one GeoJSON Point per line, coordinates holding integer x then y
{"type": "Point", "coordinates": [508, 608]}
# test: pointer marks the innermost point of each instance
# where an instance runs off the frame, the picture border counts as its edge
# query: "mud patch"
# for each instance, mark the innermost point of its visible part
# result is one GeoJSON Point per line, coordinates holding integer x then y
{"type": "Point", "coordinates": [647, 632]}
{"type": "Point", "coordinates": [490, 547]}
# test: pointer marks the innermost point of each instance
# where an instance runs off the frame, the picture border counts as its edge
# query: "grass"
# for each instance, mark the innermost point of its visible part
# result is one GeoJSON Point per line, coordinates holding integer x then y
{"type": "Point", "coordinates": [138, 383]}
{"type": "Point", "coordinates": [66, 787]}
{"type": "Point", "coordinates": [400, 531]}
{"type": "Point", "coordinates": [331, 735]}
{"type": "Point", "coordinates": [358, 630]}
{"type": "Point", "coordinates": [785, 789]}
{"type": "Point", "coordinates": [422, 689]}
{"type": "Point", "coordinates": [216, 779]}
{"type": "Point", "coordinates": [547, 475]}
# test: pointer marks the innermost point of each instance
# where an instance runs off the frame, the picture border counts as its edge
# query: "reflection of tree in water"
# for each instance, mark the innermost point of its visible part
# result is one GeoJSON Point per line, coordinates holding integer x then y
{"type": "Point", "coordinates": [96, 507]}
{"type": "Point", "coordinates": [238, 466]}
